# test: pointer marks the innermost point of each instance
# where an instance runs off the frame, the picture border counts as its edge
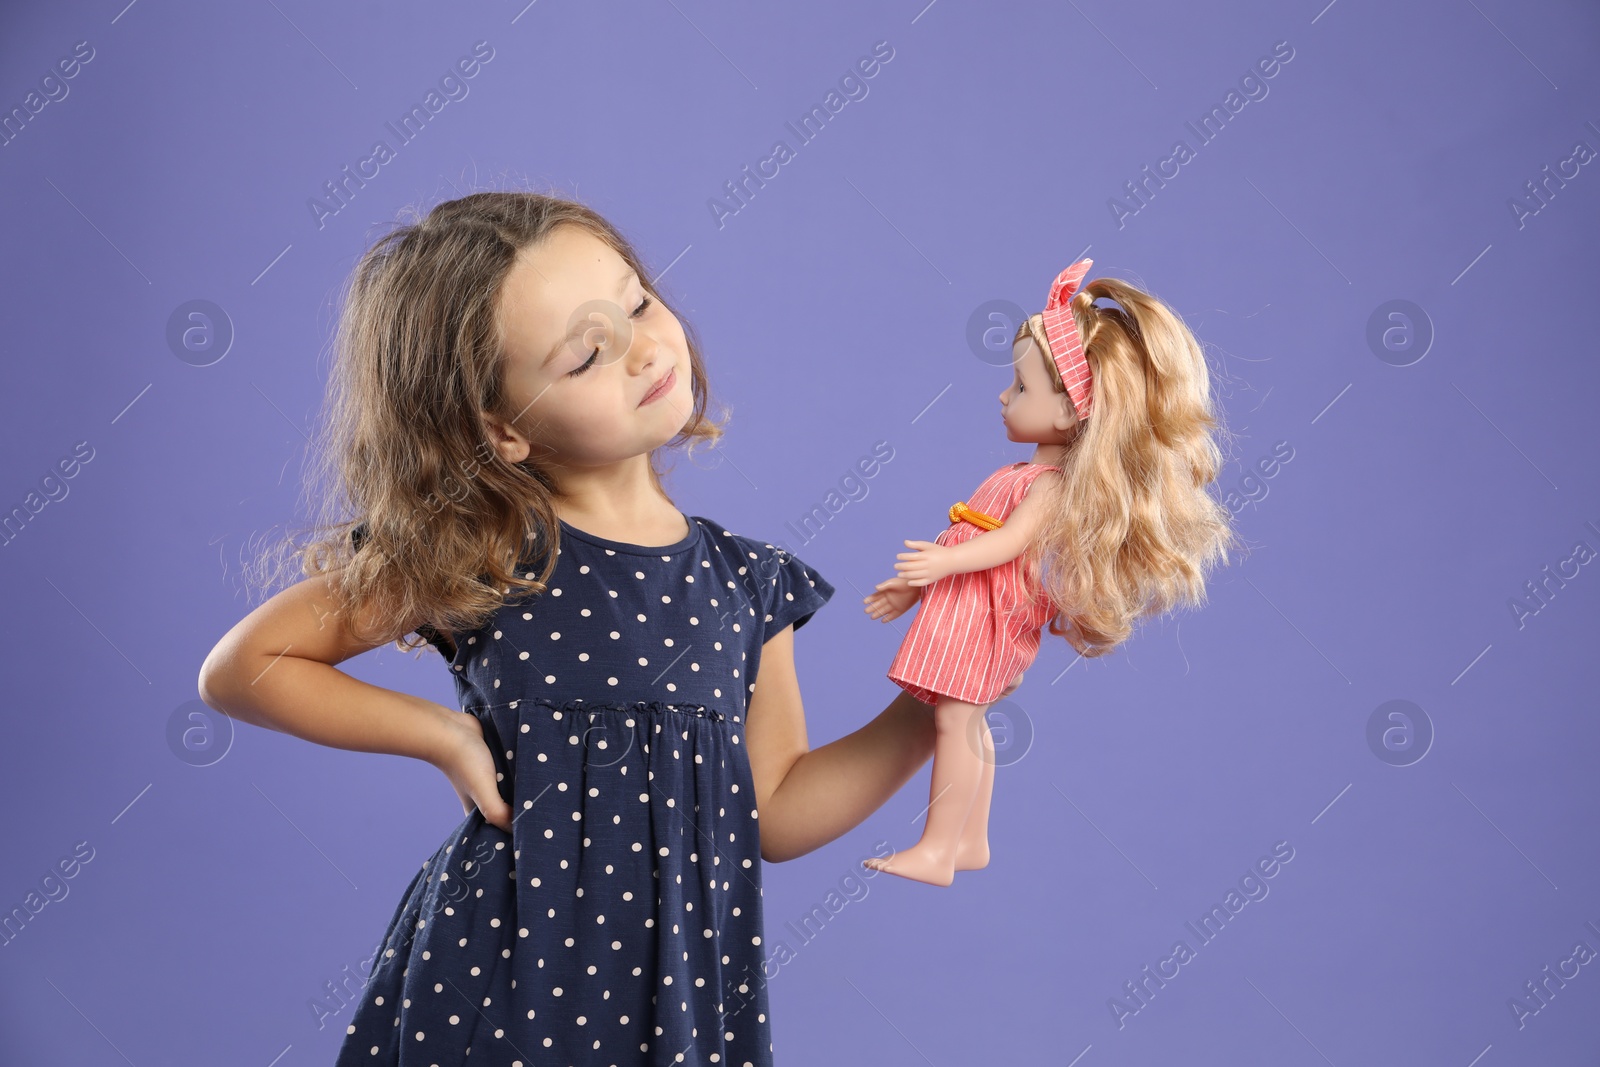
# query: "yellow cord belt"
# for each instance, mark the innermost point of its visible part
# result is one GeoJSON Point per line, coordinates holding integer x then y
{"type": "Point", "coordinates": [959, 512]}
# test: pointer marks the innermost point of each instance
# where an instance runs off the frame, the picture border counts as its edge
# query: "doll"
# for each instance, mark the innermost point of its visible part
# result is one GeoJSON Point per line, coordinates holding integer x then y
{"type": "Point", "coordinates": [1116, 505]}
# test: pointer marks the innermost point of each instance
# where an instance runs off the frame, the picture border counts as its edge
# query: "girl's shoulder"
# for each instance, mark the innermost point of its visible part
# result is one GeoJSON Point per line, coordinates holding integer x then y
{"type": "Point", "coordinates": [787, 588]}
{"type": "Point", "coordinates": [740, 550]}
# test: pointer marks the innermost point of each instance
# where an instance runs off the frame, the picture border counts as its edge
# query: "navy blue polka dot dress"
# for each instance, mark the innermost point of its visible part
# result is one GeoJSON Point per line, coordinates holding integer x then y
{"type": "Point", "coordinates": [620, 922]}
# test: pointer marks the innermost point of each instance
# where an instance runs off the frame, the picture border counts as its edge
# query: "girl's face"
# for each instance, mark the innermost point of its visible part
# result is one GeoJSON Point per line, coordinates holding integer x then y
{"type": "Point", "coordinates": [1031, 408]}
{"type": "Point", "coordinates": [585, 343]}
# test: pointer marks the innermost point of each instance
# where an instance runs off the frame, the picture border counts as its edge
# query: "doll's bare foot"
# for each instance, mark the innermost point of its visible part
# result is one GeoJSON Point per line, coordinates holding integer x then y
{"type": "Point", "coordinates": [972, 857]}
{"type": "Point", "coordinates": [918, 863]}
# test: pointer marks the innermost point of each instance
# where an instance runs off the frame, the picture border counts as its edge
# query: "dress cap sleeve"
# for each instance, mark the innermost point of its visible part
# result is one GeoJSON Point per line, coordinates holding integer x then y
{"type": "Point", "coordinates": [791, 590]}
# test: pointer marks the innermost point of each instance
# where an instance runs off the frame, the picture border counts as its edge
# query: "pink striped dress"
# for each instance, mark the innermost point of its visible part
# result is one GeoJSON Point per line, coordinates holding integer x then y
{"type": "Point", "coordinates": [961, 644]}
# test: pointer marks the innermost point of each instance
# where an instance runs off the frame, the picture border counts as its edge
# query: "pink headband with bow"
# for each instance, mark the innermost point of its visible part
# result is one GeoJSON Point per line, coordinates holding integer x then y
{"type": "Point", "coordinates": [1061, 331]}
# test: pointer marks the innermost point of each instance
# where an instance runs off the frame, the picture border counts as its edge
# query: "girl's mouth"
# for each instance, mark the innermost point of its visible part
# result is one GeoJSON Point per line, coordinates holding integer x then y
{"type": "Point", "coordinates": [661, 388]}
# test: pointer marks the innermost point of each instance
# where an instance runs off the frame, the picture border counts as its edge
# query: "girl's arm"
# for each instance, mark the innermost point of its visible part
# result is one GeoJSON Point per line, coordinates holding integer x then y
{"type": "Point", "coordinates": [805, 798]}
{"type": "Point", "coordinates": [994, 547]}
{"type": "Point", "coordinates": [275, 669]}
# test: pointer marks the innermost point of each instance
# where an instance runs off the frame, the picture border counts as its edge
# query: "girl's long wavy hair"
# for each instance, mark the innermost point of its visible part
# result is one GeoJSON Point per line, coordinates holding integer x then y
{"type": "Point", "coordinates": [403, 449]}
{"type": "Point", "coordinates": [1129, 529]}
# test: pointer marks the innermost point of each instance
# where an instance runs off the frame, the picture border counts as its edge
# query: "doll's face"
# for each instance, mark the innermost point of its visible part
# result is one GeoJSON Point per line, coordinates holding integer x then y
{"type": "Point", "coordinates": [579, 397]}
{"type": "Point", "coordinates": [1032, 409]}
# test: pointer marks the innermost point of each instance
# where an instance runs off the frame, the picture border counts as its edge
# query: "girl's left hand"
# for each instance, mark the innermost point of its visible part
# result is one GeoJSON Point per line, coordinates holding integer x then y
{"type": "Point", "coordinates": [926, 565]}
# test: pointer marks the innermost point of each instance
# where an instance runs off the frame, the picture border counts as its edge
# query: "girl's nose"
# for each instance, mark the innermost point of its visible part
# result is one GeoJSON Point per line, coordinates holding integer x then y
{"type": "Point", "coordinates": [643, 348]}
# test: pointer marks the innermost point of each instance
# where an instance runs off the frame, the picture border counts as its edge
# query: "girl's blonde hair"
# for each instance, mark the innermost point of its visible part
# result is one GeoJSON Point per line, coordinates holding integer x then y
{"type": "Point", "coordinates": [1129, 529]}
{"type": "Point", "coordinates": [418, 362]}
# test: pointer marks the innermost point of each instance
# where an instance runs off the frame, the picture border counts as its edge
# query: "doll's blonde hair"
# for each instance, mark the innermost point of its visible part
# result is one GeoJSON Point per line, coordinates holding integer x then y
{"type": "Point", "coordinates": [1129, 529]}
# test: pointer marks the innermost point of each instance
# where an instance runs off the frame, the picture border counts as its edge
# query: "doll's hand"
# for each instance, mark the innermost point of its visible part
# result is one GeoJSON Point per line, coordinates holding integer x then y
{"type": "Point", "coordinates": [892, 599]}
{"type": "Point", "coordinates": [927, 564]}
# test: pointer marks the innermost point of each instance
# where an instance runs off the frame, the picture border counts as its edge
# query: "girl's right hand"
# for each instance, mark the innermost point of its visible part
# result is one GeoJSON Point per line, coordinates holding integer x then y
{"type": "Point", "coordinates": [893, 599]}
{"type": "Point", "coordinates": [469, 765]}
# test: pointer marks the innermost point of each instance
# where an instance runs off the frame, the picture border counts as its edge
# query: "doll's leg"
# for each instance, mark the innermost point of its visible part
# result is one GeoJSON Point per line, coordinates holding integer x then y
{"type": "Point", "coordinates": [957, 773]}
{"type": "Point", "coordinates": [973, 852]}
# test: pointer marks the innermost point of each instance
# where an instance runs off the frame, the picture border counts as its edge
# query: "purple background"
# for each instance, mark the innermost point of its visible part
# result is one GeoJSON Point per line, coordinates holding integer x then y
{"type": "Point", "coordinates": [835, 305]}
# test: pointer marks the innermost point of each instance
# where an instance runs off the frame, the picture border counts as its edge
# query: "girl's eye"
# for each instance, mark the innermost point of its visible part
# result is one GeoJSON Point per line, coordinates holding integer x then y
{"type": "Point", "coordinates": [640, 310]}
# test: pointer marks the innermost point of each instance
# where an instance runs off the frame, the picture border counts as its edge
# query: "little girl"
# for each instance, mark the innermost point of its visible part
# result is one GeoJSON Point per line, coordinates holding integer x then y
{"type": "Point", "coordinates": [505, 375]}
{"type": "Point", "coordinates": [1108, 522]}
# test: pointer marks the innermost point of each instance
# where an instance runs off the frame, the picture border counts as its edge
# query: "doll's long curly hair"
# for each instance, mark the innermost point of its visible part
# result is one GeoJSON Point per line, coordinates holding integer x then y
{"type": "Point", "coordinates": [444, 519]}
{"type": "Point", "coordinates": [1130, 529]}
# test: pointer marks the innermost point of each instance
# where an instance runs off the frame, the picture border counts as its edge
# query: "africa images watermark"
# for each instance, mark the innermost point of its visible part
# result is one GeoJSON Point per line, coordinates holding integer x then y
{"type": "Point", "coordinates": [452, 87]}
{"type": "Point", "coordinates": [54, 87]}
{"type": "Point", "coordinates": [1252, 88]}
{"type": "Point", "coordinates": [853, 487]}
{"type": "Point", "coordinates": [1543, 989]}
{"type": "Point", "coordinates": [852, 84]}
{"type": "Point", "coordinates": [1140, 991]}
{"type": "Point", "coordinates": [740, 988]}
{"type": "Point", "coordinates": [346, 988]}
{"type": "Point", "coordinates": [52, 888]}
{"type": "Point", "coordinates": [1552, 579]}
{"type": "Point", "coordinates": [1539, 192]}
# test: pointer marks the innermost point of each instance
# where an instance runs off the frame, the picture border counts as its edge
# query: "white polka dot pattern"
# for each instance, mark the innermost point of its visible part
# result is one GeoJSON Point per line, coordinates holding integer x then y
{"type": "Point", "coordinates": [621, 920]}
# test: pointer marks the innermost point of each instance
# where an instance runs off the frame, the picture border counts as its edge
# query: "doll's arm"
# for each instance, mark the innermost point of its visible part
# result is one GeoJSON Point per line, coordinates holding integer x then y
{"type": "Point", "coordinates": [994, 547]}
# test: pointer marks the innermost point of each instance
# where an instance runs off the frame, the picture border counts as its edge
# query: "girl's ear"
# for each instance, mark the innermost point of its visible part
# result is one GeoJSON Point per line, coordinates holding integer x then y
{"type": "Point", "coordinates": [505, 439]}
